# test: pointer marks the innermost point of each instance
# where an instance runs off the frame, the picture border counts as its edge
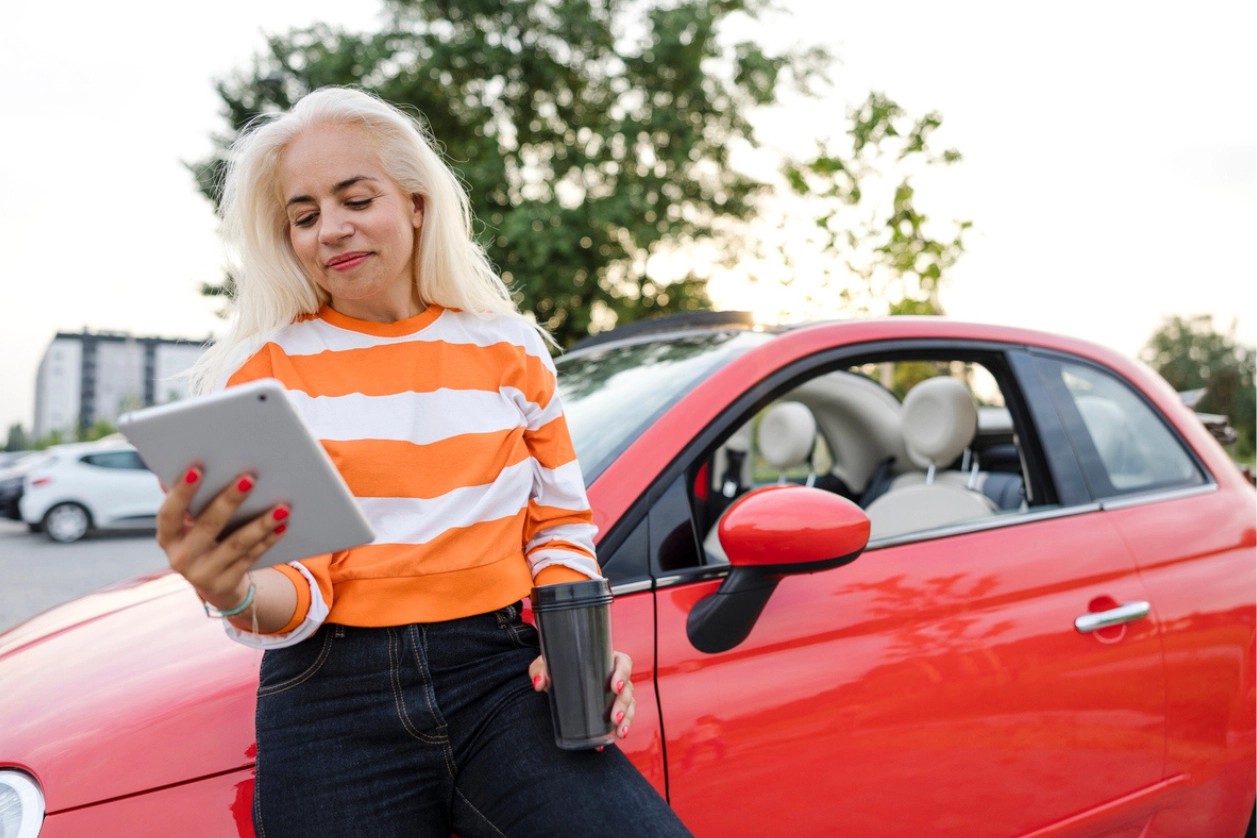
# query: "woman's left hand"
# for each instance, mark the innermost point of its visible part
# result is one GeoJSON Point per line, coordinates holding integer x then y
{"type": "Point", "coordinates": [624, 707]}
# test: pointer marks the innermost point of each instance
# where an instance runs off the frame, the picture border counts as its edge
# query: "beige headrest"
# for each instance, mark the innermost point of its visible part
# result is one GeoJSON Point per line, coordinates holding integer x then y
{"type": "Point", "coordinates": [787, 434]}
{"type": "Point", "coordinates": [940, 419]}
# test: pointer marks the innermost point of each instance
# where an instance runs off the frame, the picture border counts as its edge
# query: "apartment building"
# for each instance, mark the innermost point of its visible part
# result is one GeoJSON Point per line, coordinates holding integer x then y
{"type": "Point", "coordinates": [87, 377]}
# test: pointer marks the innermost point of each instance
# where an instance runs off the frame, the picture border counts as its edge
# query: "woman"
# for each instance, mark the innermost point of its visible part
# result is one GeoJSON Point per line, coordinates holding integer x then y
{"type": "Point", "coordinates": [395, 694]}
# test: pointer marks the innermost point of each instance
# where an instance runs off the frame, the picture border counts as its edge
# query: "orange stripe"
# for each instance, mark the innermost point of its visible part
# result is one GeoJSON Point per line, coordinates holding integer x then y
{"type": "Point", "coordinates": [543, 517]}
{"type": "Point", "coordinates": [552, 443]}
{"type": "Point", "coordinates": [556, 573]}
{"type": "Point", "coordinates": [303, 597]}
{"type": "Point", "coordinates": [381, 468]}
{"type": "Point", "coordinates": [417, 366]}
{"type": "Point", "coordinates": [456, 549]}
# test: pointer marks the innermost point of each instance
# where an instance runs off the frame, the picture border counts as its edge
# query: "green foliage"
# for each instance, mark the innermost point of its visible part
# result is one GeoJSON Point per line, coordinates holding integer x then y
{"type": "Point", "coordinates": [593, 137]}
{"type": "Point", "coordinates": [98, 430]}
{"type": "Point", "coordinates": [17, 440]}
{"type": "Point", "coordinates": [867, 214]}
{"type": "Point", "coordinates": [1191, 354]}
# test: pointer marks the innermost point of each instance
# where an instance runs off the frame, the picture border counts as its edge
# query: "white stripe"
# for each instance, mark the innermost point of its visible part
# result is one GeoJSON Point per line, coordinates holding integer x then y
{"type": "Point", "coordinates": [564, 558]}
{"type": "Point", "coordinates": [411, 417]}
{"type": "Point", "coordinates": [418, 521]}
{"type": "Point", "coordinates": [580, 535]}
{"type": "Point", "coordinates": [562, 487]}
{"type": "Point", "coordinates": [538, 417]}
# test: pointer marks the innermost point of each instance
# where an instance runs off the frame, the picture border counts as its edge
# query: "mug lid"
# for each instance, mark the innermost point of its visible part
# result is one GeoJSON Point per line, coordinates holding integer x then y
{"type": "Point", "coordinates": [571, 594]}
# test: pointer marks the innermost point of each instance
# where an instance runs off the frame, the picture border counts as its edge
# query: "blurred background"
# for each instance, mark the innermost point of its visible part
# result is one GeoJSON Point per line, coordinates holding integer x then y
{"type": "Point", "coordinates": [1081, 168]}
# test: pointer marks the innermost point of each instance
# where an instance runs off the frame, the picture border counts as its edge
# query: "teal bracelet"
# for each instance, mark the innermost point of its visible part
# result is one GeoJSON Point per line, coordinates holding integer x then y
{"type": "Point", "coordinates": [210, 611]}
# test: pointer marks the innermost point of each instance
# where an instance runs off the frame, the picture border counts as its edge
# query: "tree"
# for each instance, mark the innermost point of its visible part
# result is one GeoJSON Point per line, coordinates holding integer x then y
{"type": "Point", "coordinates": [17, 440]}
{"type": "Point", "coordinates": [594, 137]}
{"type": "Point", "coordinates": [866, 214]}
{"type": "Point", "coordinates": [1191, 354]}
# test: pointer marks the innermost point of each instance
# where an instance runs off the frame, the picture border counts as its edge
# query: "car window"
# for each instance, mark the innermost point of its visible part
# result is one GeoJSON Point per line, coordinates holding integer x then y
{"type": "Point", "coordinates": [923, 445]}
{"type": "Point", "coordinates": [1135, 449]}
{"type": "Point", "coordinates": [116, 460]}
{"type": "Point", "coordinates": [611, 393]}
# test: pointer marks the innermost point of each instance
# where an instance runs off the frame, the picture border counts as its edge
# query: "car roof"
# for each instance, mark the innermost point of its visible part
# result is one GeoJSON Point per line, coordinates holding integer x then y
{"type": "Point", "coordinates": [853, 330]}
{"type": "Point", "coordinates": [109, 443]}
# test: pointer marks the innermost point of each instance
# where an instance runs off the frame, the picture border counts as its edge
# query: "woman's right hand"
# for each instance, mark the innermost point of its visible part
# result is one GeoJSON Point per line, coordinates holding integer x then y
{"type": "Point", "coordinates": [216, 568]}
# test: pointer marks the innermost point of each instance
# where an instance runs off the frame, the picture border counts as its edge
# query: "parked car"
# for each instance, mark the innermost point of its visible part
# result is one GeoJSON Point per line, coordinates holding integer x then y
{"type": "Point", "coordinates": [898, 577]}
{"type": "Point", "coordinates": [12, 472]}
{"type": "Point", "coordinates": [74, 489]}
{"type": "Point", "coordinates": [8, 458]}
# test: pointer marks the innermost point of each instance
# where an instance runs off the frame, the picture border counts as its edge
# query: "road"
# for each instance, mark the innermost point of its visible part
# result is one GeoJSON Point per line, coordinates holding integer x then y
{"type": "Point", "coordinates": [36, 573]}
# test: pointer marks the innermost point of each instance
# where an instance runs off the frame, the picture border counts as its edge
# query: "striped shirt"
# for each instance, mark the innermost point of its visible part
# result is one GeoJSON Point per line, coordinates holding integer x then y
{"type": "Point", "coordinates": [449, 433]}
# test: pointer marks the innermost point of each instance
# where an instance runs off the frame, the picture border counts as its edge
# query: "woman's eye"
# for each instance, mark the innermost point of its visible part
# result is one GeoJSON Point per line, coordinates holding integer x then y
{"type": "Point", "coordinates": [305, 220]}
{"type": "Point", "coordinates": [359, 203]}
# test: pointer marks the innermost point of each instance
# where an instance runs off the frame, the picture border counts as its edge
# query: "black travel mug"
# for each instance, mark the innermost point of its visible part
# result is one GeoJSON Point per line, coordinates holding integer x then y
{"type": "Point", "coordinates": [574, 620]}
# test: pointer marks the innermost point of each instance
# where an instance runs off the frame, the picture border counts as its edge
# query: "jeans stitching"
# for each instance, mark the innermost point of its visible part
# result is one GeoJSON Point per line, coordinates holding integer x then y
{"type": "Point", "coordinates": [301, 678]}
{"type": "Point", "coordinates": [472, 806]}
{"type": "Point", "coordinates": [394, 666]}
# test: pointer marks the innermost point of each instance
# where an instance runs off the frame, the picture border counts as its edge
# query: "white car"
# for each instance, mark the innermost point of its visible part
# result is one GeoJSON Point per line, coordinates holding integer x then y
{"type": "Point", "coordinates": [77, 488]}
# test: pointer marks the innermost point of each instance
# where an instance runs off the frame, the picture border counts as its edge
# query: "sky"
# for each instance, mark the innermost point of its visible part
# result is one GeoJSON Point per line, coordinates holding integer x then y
{"type": "Point", "coordinates": [1109, 171]}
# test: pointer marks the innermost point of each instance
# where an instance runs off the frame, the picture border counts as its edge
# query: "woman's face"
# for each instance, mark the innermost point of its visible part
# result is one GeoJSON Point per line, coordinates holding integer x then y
{"type": "Point", "coordinates": [352, 228]}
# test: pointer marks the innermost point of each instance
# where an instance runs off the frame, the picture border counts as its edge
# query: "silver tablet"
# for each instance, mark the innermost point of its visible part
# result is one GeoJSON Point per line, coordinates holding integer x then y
{"type": "Point", "coordinates": [254, 429]}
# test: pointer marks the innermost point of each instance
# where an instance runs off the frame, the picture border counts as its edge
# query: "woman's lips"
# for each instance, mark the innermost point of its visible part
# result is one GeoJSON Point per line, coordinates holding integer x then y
{"type": "Point", "coordinates": [347, 261]}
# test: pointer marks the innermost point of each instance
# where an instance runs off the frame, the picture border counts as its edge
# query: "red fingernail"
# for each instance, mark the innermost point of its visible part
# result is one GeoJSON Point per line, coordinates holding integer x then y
{"type": "Point", "coordinates": [244, 485]}
{"type": "Point", "coordinates": [191, 477]}
{"type": "Point", "coordinates": [280, 514]}
{"type": "Point", "coordinates": [619, 686]}
{"type": "Point", "coordinates": [536, 682]}
{"type": "Point", "coordinates": [624, 731]}
{"type": "Point", "coordinates": [600, 748]}
{"type": "Point", "coordinates": [281, 529]}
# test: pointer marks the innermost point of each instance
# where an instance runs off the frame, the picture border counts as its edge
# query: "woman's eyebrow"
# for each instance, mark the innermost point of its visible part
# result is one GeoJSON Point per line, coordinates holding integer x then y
{"type": "Point", "coordinates": [340, 187]}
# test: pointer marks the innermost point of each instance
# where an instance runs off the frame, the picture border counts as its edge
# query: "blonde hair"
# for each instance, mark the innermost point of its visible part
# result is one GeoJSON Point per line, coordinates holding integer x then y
{"type": "Point", "coordinates": [271, 290]}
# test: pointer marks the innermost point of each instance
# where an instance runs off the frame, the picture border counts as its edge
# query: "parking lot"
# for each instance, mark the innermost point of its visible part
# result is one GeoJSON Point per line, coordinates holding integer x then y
{"type": "Point", "coordinates": [36, 574]}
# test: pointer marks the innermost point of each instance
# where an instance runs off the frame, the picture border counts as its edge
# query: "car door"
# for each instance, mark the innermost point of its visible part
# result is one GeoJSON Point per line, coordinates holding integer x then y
{"type": "Point", "coordinates": [940, 684]}
{"type": "Point", "coordinates": [1192, 536]}
{"type": "Point", "coordinates": [123, 491]}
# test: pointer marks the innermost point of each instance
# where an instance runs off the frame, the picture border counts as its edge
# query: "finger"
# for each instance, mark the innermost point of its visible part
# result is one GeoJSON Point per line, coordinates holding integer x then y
{"type": "Point", "coordinates": [623, 710]}
{"type": "Point", "coordinates": [173, 511]}
{"type": "Point", "coordinates": [220, 570]}
{"type": "Point", "coordinates": [247, 544]}
{"type": "Point", "coordinates": [621, 668]}
{"type": "Point", "coordinates": [540, 674]}
{"type": "Point", "coordinates": [209, 524]}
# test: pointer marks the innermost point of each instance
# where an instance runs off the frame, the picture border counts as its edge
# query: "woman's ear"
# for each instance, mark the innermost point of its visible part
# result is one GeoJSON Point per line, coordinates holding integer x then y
{"type": "Point", "coordinates": [416, 215]}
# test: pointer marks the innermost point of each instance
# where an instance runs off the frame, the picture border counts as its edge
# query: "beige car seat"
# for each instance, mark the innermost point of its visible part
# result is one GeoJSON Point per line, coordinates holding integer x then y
{"type": "Point", "coordinates": [785, 439]}
{"type": "Point", "coordinates": [940, 419]}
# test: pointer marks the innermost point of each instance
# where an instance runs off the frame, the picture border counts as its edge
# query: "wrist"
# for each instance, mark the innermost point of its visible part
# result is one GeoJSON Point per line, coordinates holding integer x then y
{"type": "Point", "coordinates": [233, 605]}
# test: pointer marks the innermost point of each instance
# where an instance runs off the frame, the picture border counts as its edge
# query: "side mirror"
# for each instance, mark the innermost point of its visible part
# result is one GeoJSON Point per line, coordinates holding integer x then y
{"type": "Point", "coordinates": [768, 534]}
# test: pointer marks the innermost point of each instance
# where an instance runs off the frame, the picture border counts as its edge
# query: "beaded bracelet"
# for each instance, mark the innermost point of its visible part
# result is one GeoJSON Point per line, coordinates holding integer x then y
{"type": "Point", "coordinates": [211, 611]}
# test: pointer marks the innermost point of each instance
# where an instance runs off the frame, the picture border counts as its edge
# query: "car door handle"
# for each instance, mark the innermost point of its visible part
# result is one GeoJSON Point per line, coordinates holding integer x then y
{"type": "Point", "coordinates": [1127, 613]}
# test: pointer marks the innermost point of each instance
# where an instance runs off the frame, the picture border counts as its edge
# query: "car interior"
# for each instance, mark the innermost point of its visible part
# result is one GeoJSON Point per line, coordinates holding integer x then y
{"type": "Point", "coordinates": [945, 454]}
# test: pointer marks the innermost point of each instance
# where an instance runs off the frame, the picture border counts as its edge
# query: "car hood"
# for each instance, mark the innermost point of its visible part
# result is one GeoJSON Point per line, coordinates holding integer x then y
{"type": "Point", "coordinates": [125, 690]}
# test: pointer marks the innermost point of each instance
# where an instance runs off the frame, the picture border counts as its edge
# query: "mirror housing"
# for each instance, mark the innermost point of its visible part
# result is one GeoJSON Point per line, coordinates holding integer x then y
{"type": "Point", "coordinates": [768, 534]}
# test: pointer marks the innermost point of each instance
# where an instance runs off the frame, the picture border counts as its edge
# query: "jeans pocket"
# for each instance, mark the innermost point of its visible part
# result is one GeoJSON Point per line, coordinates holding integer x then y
{"type": "Point", "coordinates": [283, 669]}
{"type": "Point", "coordinates": [521, 634]}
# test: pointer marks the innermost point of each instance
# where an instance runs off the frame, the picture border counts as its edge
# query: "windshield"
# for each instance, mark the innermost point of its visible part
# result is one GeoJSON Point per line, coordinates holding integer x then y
{"type": "Point", "coordinates": [611, 394]}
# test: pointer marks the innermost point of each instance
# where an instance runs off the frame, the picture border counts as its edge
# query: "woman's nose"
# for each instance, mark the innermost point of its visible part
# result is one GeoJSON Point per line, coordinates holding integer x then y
{"type": "Point", "coordinates": [335, 227]}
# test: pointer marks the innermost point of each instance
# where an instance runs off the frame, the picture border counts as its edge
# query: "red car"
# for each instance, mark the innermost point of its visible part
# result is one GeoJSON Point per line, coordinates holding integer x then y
{"type": "Point", "coordinates": [898, 577]}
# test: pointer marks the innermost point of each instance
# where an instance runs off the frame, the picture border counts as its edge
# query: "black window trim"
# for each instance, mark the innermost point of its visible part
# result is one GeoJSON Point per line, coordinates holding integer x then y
{"type": "Point", "coordinates": [1086, 459]}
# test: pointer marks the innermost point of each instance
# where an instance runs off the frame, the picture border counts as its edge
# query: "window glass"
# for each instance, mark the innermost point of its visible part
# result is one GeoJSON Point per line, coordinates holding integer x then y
{"type": "Point", "coordinates": [611, 394]}
{"type": "Point", "coordinates": [1136, 449]}
{"type": "Point", "coordinates": [115, 459]}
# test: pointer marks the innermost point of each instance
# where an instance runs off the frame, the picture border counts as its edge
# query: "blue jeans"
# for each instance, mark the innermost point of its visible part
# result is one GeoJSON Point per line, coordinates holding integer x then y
{"type": "Point", "coordinates": [427, 730]}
